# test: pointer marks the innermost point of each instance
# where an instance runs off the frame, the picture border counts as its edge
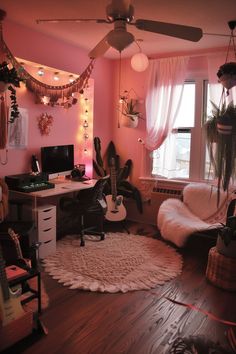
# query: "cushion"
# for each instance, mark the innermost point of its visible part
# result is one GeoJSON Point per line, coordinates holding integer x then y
{"type": "Point", "coordinates": [201, 199]}
{"type": "Point", "coordinates": [176, 222]}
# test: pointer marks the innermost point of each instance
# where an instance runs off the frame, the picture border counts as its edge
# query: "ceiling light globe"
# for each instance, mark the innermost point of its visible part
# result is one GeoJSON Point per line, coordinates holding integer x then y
{"type": "Point", "coordinates": [139, 62]}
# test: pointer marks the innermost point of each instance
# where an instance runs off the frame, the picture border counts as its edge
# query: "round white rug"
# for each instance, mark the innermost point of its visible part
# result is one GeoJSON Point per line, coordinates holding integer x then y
{"type": "Point", "coordinates": [120, 263]}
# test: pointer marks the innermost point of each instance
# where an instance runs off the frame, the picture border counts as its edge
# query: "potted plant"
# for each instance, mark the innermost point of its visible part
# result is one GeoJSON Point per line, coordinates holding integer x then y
{"type": "Point", "coordinates": [227, 75]}
{"type": "Point", "coordinates": [221, 141]}
{"type": "Point", "coordinates": [8, 79]}
{"type": "Point", "coordinates": [130, 113]}
{"type": "Point", "coordinates": [226, 241]}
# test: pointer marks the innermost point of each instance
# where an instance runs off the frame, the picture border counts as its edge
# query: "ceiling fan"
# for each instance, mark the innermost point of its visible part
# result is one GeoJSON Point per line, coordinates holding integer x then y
{"type": "Point", "coordinates": [120, 13]}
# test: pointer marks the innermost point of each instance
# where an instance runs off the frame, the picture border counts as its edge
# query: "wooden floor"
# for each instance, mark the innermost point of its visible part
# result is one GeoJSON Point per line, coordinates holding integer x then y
{"type": "Point", "coordinates": [139, 322]}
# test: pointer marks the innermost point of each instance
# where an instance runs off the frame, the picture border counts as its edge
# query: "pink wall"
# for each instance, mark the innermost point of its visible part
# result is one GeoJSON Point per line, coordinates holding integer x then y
{"type": "Point", "coordinates": [36, 47]}
{"type": "Point", "coordinates": [126, 139]}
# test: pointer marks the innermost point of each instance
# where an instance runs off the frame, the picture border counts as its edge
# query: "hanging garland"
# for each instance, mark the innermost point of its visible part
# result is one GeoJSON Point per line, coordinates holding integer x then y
{"type": "Point", "coordinates": [40, 89]}
{"type": "Point", "coordinates": [45, 94]}
{"type": "Point", "coordinates": [54, 93]}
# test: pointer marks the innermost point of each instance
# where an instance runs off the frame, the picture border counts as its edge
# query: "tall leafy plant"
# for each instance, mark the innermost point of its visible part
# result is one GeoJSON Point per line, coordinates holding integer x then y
{"type": "Point", "coordinates": [221, 141]}
{"type": "Point", "coordinates": [102, 165]}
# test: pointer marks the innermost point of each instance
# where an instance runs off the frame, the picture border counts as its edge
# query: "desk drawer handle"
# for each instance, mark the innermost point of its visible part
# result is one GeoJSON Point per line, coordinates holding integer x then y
{"type": "Point", "coordinates": [46, 219]}
{"type": "Point", "coordinates": [46, 230]}
{"type": "Point", "coordinates": [46, 210]}
{"type": "Point", "coordinates": [47, 241]}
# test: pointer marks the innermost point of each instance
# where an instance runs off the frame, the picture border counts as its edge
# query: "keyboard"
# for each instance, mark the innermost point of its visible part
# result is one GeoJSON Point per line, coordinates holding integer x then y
{"type": "Point", "coordinates": [34, 187]}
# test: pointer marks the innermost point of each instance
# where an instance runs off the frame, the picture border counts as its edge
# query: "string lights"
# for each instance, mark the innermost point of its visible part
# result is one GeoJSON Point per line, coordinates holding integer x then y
{"type": "Point", "coordinates": [86, 122]}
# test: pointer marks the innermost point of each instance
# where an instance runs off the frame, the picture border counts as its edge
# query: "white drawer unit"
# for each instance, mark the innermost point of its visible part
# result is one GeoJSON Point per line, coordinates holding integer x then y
{"type": "Point", "coordinates": [46, 223]}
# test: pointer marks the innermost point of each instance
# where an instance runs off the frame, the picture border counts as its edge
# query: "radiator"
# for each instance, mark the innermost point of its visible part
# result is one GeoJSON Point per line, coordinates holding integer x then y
{"type": "Point", "coordinates": [160, 194]}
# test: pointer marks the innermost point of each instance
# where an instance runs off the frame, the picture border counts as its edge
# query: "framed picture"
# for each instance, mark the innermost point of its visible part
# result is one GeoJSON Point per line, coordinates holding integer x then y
{"type": "Point", "coordinates": [18, 131]}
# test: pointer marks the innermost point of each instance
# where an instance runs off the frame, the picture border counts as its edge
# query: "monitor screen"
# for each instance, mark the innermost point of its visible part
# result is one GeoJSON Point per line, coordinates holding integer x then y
{"type": "Point", "coordinates": [57, 160]}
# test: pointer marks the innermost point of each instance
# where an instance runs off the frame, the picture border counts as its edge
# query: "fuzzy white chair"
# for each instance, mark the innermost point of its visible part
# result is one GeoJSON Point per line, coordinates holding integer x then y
{"type": "Point", "coordinates": [198, 211]}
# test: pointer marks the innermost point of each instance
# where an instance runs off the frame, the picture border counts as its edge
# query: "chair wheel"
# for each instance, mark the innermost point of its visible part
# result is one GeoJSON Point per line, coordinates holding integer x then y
{"type": "Point", "coordinates": [102, 237]}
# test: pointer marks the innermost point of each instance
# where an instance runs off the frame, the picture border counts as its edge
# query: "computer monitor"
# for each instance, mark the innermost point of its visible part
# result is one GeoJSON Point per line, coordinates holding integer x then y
{"type": "Point", "coordinates": [57, 160]}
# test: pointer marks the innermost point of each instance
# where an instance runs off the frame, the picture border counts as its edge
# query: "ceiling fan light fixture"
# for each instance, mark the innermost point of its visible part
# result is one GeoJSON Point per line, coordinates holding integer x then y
{"type": "Point", "coordinates": [139, 62]}
{"type": "Point", "coordinates": [120, 39]}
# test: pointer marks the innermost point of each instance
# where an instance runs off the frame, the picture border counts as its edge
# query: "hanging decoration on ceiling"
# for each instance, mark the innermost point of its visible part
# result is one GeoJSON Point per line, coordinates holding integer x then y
{"type": "Point", "coordinates": [221, 125]}
{"type": "Point", "coordinates": [45, 123]}
{"type": "Point", "coordinates": [46, 94]}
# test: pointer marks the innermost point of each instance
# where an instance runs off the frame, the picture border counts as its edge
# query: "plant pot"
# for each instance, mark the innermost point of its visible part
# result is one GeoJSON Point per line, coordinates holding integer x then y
{"type": "Point", "coordinates": [3, 86]}
{"type": "Point", "coordinates": [229, 250]}
{"type": "Point", "coordinates": [129, 121]}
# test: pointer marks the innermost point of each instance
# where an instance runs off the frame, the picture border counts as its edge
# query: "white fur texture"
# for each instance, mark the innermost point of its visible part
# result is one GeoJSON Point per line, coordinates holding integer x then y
{"type": "Point", "coordinates": [201, 199]}
{"type": "Point", "coordinates": [176, 222]}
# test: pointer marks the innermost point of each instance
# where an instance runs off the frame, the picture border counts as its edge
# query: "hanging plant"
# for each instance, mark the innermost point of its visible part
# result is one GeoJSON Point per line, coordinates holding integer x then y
{"type": "Point", "coordinates": [44, 123]}
{"type": "Point", "coordinates": [227, 75]}
{"type": "Point", "coordinates": [221, 141]}
{"type": "Point", "coordinates": [9, 77]}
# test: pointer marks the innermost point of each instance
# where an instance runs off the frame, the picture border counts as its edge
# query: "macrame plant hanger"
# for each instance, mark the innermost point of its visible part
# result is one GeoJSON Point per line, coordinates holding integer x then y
{"type": "Point", "coordinates": [223, 151]}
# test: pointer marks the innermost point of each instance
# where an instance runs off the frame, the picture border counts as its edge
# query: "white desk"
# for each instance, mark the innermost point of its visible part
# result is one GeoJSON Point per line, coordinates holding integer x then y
{"type": "Point", "coordinates": [44, 202]}
{"type": "Point", "coordinates": [61, 187]}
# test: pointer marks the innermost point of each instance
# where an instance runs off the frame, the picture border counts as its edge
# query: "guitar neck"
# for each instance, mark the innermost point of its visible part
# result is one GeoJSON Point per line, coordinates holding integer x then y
{"type": "Point", "coordinates": [3, 278]}
{"type": "Point", "coordinates": [15, 238]}
{"type": "Point", "coordinates": [18, 250]}
{"type": "Point", "coordinates": [113, 183]}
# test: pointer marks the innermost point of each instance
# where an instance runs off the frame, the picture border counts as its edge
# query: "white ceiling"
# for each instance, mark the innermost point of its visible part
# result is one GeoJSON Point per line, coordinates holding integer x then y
{"type": "Point", "coordinates": [210, 15]}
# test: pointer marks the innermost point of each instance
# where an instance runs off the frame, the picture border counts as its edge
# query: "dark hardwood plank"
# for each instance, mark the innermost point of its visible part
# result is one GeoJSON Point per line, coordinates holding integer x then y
{"type": "Point", "coordinates": [139, 322]}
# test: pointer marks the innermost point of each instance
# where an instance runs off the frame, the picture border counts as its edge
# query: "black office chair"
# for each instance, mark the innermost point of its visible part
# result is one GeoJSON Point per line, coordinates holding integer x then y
{"type": "Point", "coordinates": [88, 207]}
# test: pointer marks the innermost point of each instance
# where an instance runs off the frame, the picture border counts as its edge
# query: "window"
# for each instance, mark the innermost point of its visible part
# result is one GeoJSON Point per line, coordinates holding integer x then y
{"type": "Point", "coordinates": [183, 154]}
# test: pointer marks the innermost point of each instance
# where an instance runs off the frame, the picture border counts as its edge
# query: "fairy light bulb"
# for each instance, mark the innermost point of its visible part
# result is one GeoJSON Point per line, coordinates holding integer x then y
{"type": "Point", "coordinates": [85, 125]}
{"type": "Point", "coordinates": [71, 78]}
{"type": "Point", "coordinates": [40, 71]}
{"type": "Point", "coordinates": [56, 76]}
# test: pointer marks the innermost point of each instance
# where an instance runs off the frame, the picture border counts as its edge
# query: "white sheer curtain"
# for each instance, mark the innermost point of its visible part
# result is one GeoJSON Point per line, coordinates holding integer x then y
{"type": "Point", "coordinates": [164, 92]}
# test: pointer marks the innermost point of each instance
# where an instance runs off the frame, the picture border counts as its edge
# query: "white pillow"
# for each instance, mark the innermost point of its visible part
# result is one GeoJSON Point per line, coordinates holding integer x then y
{"type": "Point", "coordinates": [201, 199]}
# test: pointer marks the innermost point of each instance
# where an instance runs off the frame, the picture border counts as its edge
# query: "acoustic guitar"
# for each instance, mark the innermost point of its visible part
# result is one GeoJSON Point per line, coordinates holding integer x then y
{"type": "Point", "coordinates": [10, 305]}
{"type": "Point", "coordinates": [115, 208]}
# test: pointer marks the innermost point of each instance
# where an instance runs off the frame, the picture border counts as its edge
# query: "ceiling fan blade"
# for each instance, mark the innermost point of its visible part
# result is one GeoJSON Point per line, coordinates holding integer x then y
{"type": "Point", "coordinates": [189, 33]}
{"type": "Point", "coordinates": [100, 48]}
{"type": "Point", "coordinates": [56, 20]}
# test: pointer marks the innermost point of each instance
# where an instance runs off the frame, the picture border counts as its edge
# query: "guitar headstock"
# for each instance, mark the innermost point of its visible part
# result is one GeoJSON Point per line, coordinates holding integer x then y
{"type": "Point", "coordinates": [15, 237]}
